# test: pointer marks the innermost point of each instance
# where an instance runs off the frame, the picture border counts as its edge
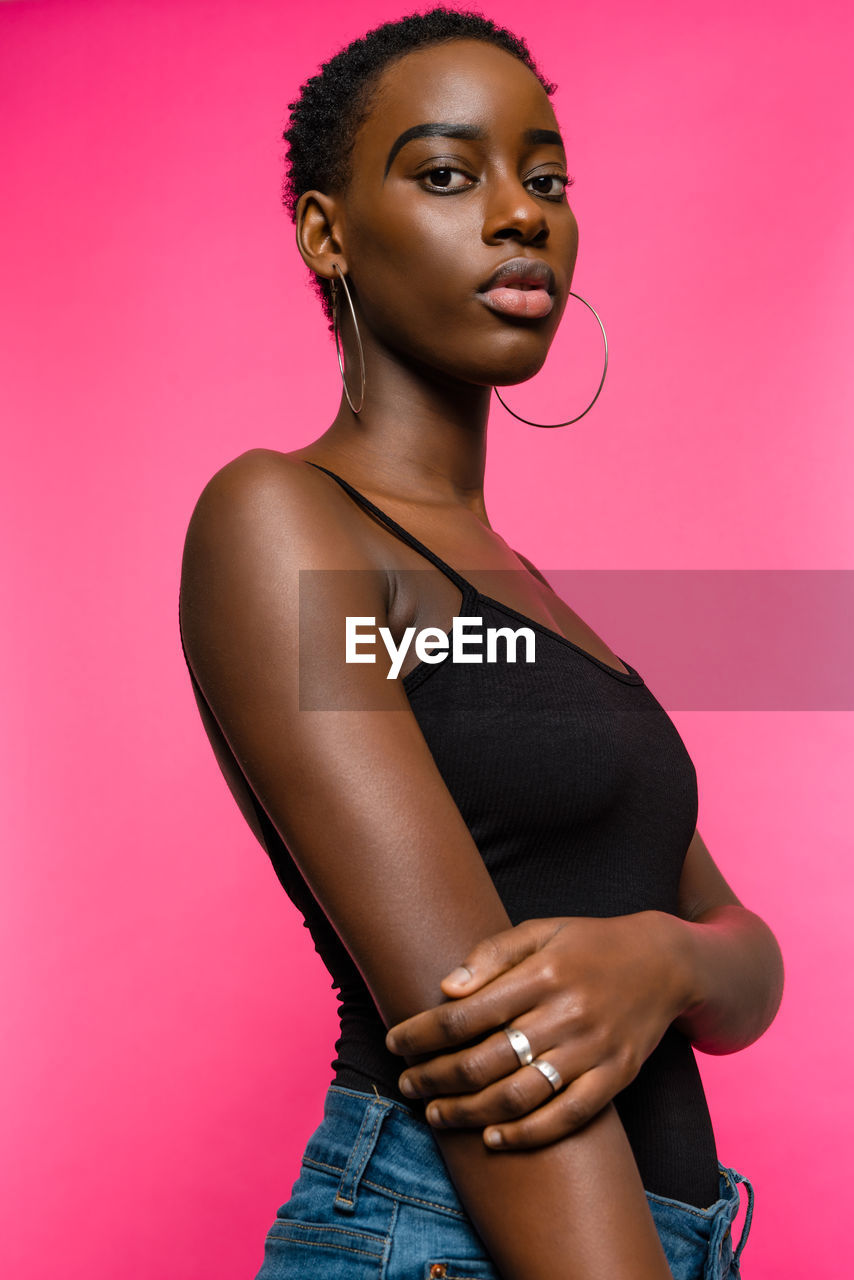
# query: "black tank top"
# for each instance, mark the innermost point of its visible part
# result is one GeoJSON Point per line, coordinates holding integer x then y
{"type": "Point", "coordinates": [582, 800]}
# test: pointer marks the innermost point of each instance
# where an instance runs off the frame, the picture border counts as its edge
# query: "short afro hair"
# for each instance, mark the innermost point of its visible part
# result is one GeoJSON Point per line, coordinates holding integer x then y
{"type": "Point", "coordinates": [333, 104]}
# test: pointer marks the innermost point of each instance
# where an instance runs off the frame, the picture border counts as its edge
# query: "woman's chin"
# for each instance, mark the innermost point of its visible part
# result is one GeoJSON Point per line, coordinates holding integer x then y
{"type": "Point", "coordinates": [517, 359]}
{"type": "Point", "coordinates": [510, 374]}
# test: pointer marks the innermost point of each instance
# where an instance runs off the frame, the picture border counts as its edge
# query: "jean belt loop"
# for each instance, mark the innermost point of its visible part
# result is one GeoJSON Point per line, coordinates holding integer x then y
{"type": "Point", "coordinates": [345, 1197]}
{"type": "Point", "coordinates": [745, 1230]}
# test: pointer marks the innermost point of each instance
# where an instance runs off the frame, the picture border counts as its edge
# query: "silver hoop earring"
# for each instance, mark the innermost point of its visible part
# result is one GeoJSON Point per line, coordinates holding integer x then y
{"type": "Point", "coordinates": [337, 341]}
{"type": "Point", "coordinates": [599, 388]}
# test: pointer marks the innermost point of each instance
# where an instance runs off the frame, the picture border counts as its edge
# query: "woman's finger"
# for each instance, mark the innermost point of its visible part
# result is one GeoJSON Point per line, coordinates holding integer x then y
{"type": "Point", "coordinates": [565, 1112]}
{"type": "Point", "coordinates": [527, 1090]}
{"type": "Point", "coordinates": [456, 1022]}
{"type": "Point", "coordinates": [471, 1069]}
{"type": "Point", "coordinates": [515, 1095]}
{"type": "Point", "coordinates": [498, 953]}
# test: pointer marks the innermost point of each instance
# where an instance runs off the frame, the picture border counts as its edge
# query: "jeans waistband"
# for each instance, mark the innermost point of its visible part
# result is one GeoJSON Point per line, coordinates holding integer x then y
{"type": "Point", "coordinates": [408, 1163]}
{"type": "Point", "coordinates": [720, 1215]}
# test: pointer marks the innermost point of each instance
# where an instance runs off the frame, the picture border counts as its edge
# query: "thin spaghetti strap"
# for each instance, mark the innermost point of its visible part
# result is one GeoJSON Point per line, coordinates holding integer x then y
{"type": "Point", "coordinates": [457, 578]}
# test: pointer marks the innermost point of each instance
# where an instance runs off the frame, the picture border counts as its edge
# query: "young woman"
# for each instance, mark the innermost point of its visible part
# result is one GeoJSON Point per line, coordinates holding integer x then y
{"type": "Point", "coordinates": [532, 821]}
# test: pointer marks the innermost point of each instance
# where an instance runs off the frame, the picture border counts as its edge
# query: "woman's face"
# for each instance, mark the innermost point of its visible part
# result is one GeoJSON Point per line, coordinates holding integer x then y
{"type": "Point", "coordinates": [458, 169]}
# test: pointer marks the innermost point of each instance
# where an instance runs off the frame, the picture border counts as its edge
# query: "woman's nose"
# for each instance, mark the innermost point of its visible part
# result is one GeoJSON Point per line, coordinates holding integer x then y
{"type": "Point", "coordinates": [513, 213]}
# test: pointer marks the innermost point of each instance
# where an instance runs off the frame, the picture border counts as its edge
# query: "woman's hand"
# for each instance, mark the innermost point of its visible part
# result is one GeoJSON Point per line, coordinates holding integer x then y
{"type": "Point", "coordinates": [594, 997]}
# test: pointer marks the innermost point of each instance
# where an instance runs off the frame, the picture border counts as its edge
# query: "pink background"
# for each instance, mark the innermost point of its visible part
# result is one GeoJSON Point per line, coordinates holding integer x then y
{"type": "Point", "coordinates": [166, 1026]}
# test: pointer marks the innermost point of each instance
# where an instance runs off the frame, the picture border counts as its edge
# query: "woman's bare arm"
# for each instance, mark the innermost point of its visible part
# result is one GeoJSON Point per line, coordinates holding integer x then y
{"type": "Point", "coordinates": [734, 958]}
{"type": "Point", "coordinates": [354, 792]}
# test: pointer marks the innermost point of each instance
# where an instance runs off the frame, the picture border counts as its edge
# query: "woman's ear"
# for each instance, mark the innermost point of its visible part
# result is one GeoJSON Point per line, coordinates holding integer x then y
{"type": "Point", "coordinates": [317, 219]}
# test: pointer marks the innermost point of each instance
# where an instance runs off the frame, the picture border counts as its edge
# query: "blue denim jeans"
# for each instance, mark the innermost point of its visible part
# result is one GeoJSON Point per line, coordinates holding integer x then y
{"type": "Point", "coordinates": [374, 1201]}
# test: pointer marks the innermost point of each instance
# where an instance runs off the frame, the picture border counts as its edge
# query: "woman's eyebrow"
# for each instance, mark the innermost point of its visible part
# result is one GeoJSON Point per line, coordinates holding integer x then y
{"type": "Point", "coordinates": [543, 137]}
{"type": "Point", "coordinates": [533, 137]}
{"type": "Point", "coordinates": [471, 131]}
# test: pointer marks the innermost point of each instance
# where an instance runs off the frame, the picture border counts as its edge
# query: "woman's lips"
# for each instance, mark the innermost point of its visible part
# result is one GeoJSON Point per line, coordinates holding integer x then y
{"type": "Point", "coordinates": [522, 287]}
{"type": "Point", "coordinates": [532, 304]}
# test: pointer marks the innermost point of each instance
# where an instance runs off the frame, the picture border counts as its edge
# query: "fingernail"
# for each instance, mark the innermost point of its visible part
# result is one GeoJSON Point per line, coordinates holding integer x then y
{"type": "Point", "coordinates": [493, 1137]}
{"type": "Point", "coordinates": [391, 1043]}
{"type": "Point", "coordinates": [407, 1087]}
{"type": "Point", "coordinates": [434, 1115]}
{"type": "Point", "coordinates": [459, 976]}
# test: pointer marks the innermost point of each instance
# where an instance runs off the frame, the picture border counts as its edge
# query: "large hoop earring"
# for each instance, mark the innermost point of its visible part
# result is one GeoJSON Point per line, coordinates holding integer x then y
{"type": "Point", "coordinates": [599, 388]}
{"type": "Point", "coordinates": [338, 344]}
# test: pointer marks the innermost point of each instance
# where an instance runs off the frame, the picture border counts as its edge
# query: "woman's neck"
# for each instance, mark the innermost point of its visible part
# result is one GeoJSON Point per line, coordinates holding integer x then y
{"type": "Point", "coordinates": [419, 436]}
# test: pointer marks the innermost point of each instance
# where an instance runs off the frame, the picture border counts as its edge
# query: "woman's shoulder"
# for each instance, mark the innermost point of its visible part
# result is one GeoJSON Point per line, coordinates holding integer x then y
{"type": "Point", "coordinates": [259, 475]}
{"type": "Point", "coordinates": [278, 499]}
{"type": "Point", "coordinates": [261, 523]}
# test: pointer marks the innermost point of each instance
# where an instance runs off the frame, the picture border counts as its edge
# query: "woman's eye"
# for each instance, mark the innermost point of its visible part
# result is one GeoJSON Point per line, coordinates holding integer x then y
{"type": "Point", "coordinates": [550, 184]}
{"type": "Point", "coordinates": [444, 178]}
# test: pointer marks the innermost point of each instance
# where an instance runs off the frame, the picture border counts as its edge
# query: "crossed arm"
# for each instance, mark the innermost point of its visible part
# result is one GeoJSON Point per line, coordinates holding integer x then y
{"type": "Point", "coordinates": [594, 996]}
{"type": "Point", "coordinates": [572, 1210]}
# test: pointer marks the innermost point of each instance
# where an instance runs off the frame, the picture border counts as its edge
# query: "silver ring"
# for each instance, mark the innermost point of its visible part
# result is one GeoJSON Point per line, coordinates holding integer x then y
{"type": "Point", "coordinates": [551, 1073]}
{"type": "Point", "coordinates": [521, 1045]}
